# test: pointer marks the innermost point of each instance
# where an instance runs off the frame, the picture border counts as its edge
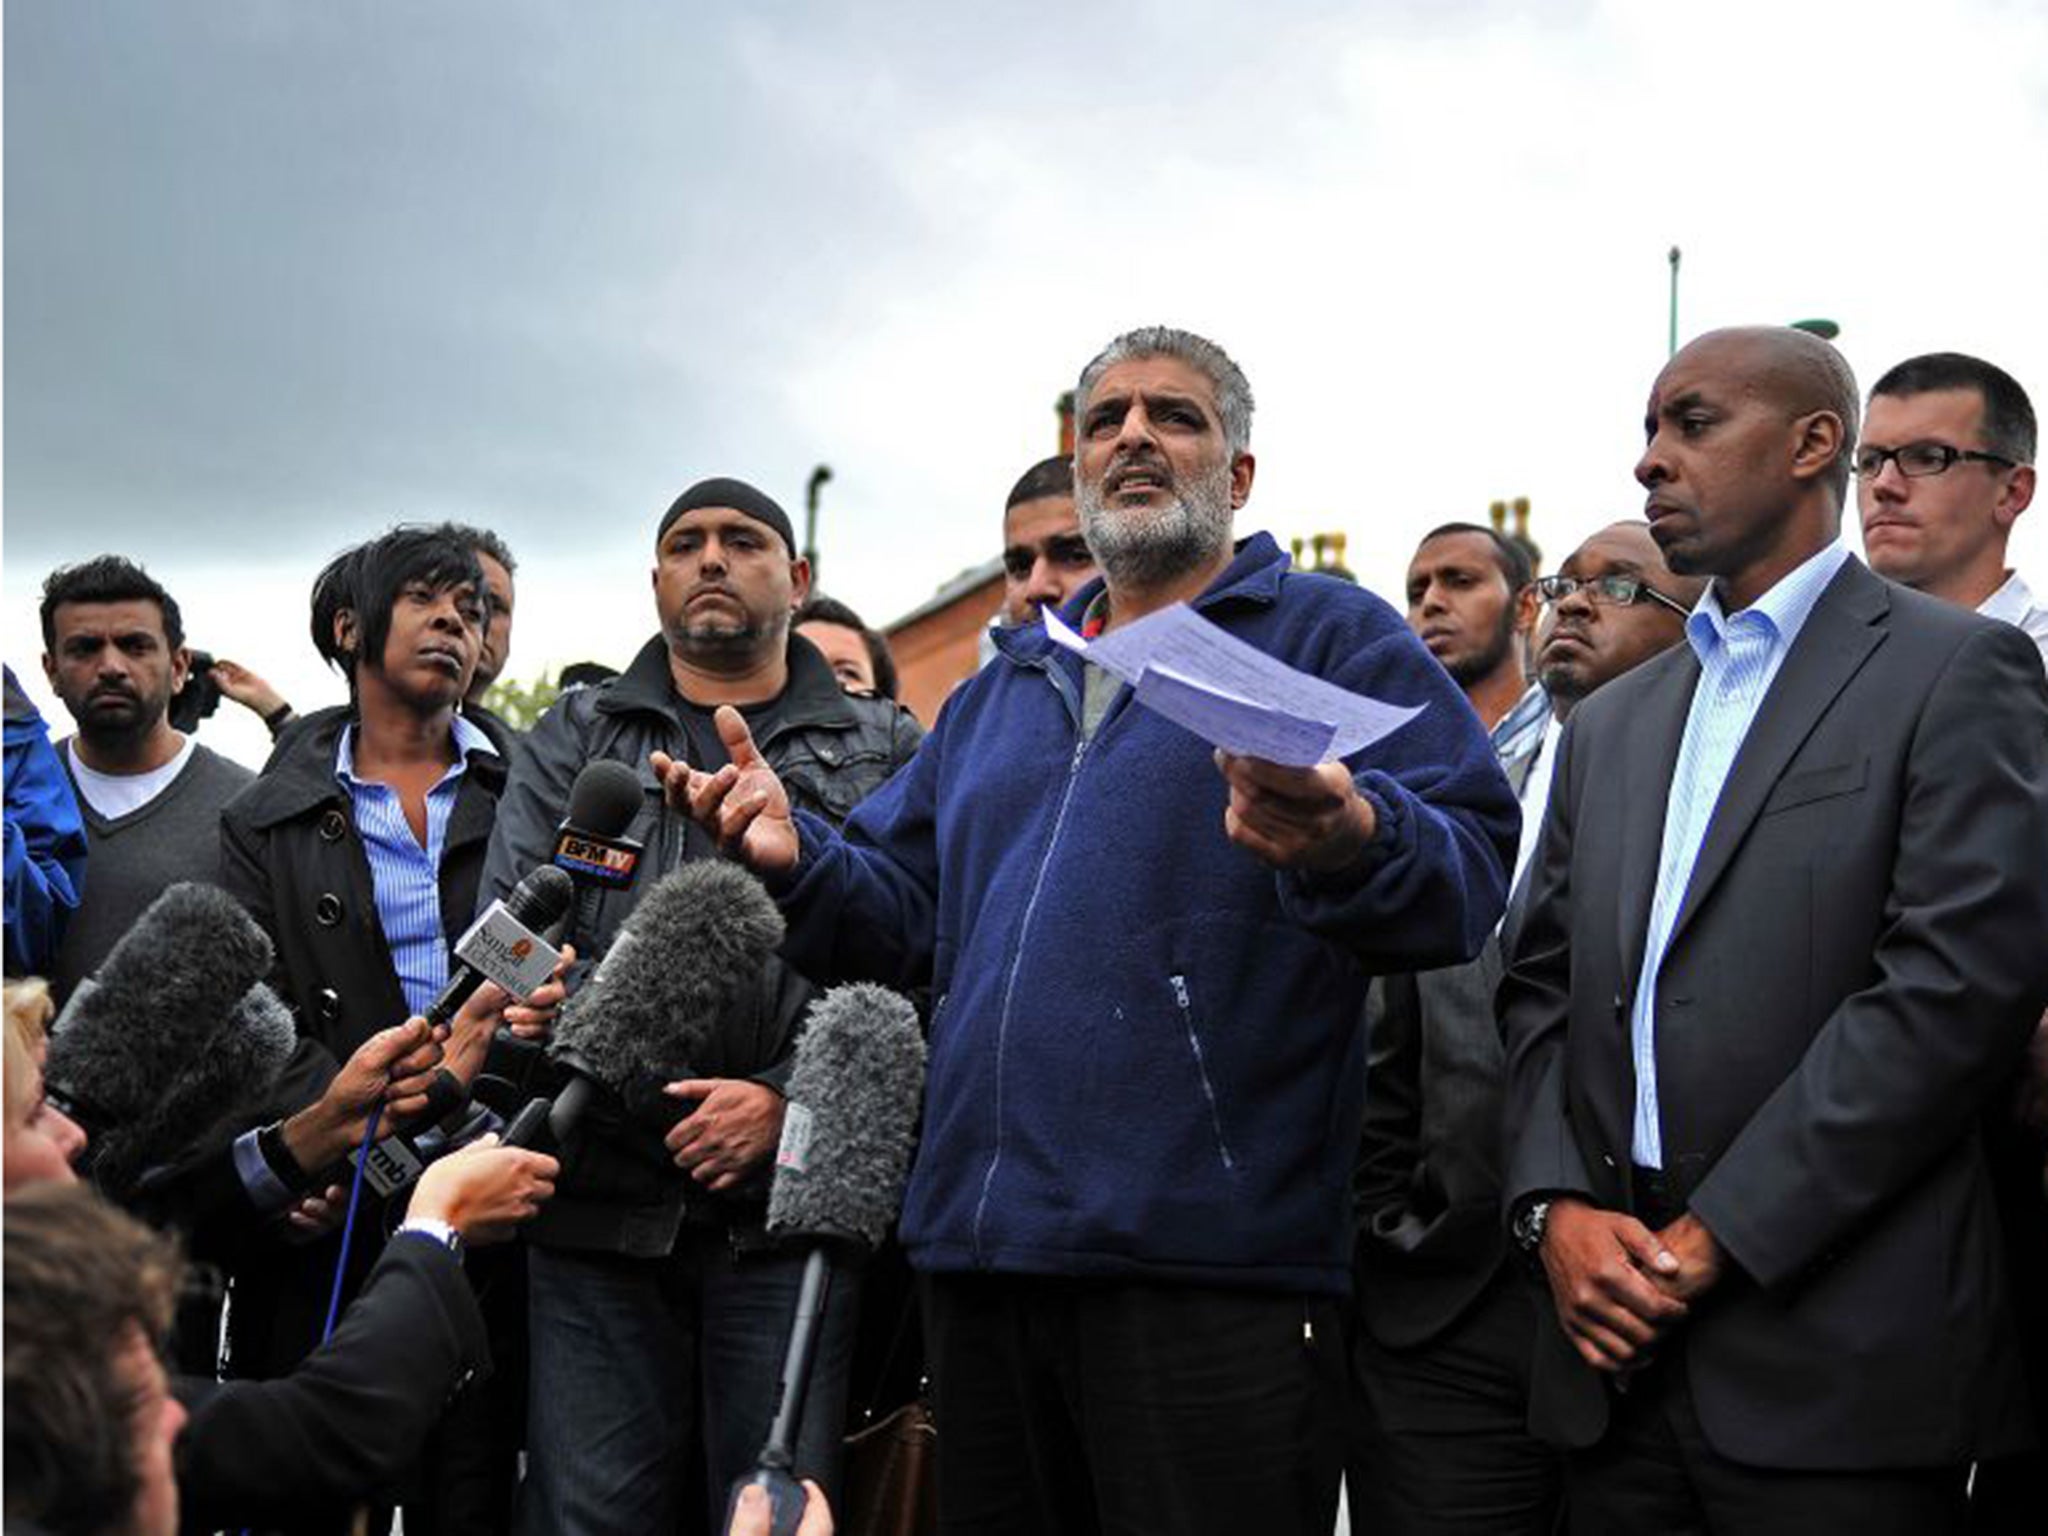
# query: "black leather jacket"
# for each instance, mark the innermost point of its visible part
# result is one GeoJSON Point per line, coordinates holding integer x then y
{"type": "Point", "coordinates": [620, 1191]}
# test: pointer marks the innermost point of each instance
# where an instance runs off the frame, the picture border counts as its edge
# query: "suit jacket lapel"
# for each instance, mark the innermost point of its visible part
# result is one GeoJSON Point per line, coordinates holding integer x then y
{"type": "Point", "coordinates": [1650, 756]}
{"type": "Point", "coordinates": [1837, 638]}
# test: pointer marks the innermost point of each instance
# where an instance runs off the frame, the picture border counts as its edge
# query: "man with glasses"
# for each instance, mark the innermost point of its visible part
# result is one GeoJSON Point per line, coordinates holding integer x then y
{"type": "Point", "coordinates": [1781, 951]}
{"type": "Point", "coordinates": [1443, 1318]}
{"type": "Point", "coordinates": [1611, 606]}
{"type": "Point", "coordinates": [1944, 470]}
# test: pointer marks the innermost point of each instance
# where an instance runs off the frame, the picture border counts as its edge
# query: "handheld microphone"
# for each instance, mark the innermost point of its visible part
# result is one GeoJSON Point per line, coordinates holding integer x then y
{"type": "Point", "coordinates": [697, 941]}
{"type": "Point", "coordinates": [505, 945]}
{"type": "Point", "coordinates": [591, 845]}
{"type": "Point", "coordinates": [592, 849]}
{"type": "Point", "coordinates": [174, 1032]}
{"type": "Point", "coordinates": [847, 1133]}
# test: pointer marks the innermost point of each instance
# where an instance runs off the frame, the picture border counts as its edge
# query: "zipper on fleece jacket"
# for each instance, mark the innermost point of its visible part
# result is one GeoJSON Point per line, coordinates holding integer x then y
{"type": "Point", "coordinates": [1063, 686]}
{"type": "Point", "coordinates": [1187, 1019]}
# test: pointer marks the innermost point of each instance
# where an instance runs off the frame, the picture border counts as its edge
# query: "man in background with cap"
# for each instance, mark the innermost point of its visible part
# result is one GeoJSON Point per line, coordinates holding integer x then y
{"type": "Point", "coordinates": [655, 1258]}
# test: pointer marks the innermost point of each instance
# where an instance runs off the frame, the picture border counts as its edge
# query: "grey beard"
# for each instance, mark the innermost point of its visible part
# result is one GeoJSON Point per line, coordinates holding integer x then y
{"type": "Point", "coordinates": [1146, 547]}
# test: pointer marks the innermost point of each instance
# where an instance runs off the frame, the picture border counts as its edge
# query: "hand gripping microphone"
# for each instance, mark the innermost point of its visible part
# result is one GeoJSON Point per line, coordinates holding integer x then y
{"type": "Point", "coordinates": [846, 1139]}
{"type": "Point", "coordinates": [592, 849]}
{"type": "Point", "coordinates": [175, 1031]}
{"type": "Point", "coordinates": [697, 941]}
{"type": "Point", "coordinates": [505, 944]}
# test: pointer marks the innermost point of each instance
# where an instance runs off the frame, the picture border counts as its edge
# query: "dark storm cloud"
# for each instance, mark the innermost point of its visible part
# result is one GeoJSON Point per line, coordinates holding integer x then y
{"type": "Point", "coordinates": [273, 269]}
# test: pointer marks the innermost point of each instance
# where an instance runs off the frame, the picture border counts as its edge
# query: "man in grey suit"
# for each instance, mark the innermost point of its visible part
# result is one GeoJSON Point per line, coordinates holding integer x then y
{"type": "Point", "coordinates": [1443, 1320]}
{"type": "Point", "coordinates": [1781, 949]}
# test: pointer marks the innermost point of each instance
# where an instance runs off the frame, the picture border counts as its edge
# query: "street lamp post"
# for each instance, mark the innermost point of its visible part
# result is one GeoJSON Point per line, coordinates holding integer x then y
{"type": "Point", "coordinates": [817, 481]}
{"type": "Point", "coordinates": [1671, 337]}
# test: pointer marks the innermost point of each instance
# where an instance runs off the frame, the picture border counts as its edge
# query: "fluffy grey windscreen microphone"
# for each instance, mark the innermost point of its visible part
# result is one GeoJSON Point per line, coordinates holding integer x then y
{"type": "Point", "coordinates": [851, 1119]}
{"type": "Point", "coordinates": [158, 1001]}
{"type": "Point", "coordinates": [231, 1073]}
{"type": "Point", "coordinates": [696, 943]}
{"type": "Point", "coordinates": [175, 1031]}
{"type": "Point", "coordinates": [193, 951]}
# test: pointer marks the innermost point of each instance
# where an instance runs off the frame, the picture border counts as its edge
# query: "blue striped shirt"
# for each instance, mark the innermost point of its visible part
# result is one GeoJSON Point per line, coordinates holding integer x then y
{"type": "Point", "coordinates": [1739, 655]}
{"type": "Point", "coordinates": [404, 877]}
{"type": "Point", "coordinates": [1519, 733]}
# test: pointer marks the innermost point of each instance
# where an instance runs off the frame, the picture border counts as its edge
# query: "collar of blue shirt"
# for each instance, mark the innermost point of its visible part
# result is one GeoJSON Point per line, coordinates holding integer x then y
{"type": "Point", "coordinates": [1780, 613]}
{"type": "Point", "coordinates": [469, 737]}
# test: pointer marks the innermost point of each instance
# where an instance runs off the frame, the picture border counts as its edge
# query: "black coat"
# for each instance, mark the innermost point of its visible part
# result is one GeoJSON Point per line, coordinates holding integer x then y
{"type": "Point", "coordinates": [290, 853]}
{"type": "Point", "coordinates": [351, 1418]}
{"type": "Point", "coordinates": [1427, 1188]}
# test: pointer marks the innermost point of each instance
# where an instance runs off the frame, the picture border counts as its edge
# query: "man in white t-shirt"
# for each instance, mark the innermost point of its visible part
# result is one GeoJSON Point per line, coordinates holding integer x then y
{"type": "Point", "coordinates": [114, 652]}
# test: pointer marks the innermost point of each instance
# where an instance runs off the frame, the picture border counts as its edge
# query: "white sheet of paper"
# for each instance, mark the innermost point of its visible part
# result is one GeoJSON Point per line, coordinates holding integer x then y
{"type": "Point", "coordinates": [1233, 694]}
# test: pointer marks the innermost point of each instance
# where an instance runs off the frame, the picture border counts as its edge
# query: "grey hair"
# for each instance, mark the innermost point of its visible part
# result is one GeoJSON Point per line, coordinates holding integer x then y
{"type": "Point", "coordinates": [1233, 392]}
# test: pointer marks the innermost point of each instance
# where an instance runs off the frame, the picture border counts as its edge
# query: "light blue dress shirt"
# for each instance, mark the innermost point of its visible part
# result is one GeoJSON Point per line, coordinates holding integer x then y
{"type": "Point", "coordinates": [406, 878]}
{"type": "Point", "coordinates": [1739, 655]}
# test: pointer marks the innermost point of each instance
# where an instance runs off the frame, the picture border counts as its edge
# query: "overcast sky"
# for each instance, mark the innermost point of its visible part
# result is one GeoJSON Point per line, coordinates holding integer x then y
{"type": "Point", "coordinates": [279, 274]}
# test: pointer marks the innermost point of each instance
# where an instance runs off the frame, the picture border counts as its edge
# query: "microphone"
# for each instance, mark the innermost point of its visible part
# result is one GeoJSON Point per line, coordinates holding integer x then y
{"type": "Point", "coordinates": [697, 941]}
{"type": "Point", "coordinates": [591, 845]}
{"type": "Point", "coordinates": [847, 1133]}
{"type": "Point", "coordinates": [592, 849]}
{"type": "Point", "coordinates": [175, 1031]}
{"type": "Point", "coordinates": [504, 944]}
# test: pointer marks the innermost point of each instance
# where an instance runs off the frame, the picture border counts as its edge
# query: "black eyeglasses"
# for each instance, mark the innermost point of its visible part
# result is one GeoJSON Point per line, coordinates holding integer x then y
{"type": "Point", "coordinates": [1619, 590]}
{"type": "Point", "coordinates": [1916, 461]}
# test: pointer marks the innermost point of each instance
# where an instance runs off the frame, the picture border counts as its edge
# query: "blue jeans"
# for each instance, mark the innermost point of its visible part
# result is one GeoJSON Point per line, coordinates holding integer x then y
{"type": "Point", "coordinates": [634, 1360]}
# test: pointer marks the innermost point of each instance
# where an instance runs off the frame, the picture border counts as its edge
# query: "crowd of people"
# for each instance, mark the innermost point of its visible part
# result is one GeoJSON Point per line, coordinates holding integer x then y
{"type": "Point", "coordinates": [1614, 1101]}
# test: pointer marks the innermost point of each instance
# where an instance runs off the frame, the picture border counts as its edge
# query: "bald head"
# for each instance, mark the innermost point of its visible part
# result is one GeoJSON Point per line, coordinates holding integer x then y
{"type": "Point", "coordinates": [1747, 456]}
{"type": "Point", "coordinates": [1796, 371]}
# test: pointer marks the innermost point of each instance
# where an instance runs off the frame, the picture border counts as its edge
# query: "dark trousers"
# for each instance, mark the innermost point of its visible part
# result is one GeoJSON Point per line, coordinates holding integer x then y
{"type": "Point", "coordinates": [1072, 1407]}
{"type": "Point", "coordinates": [1438, 1441]}
{"type": "Point", "coordinates": [1654, 1471]}
{"type": "Point", "coordinates": [641, 1366]}
{"type": "Point", "coordinates": [2009, 1495]}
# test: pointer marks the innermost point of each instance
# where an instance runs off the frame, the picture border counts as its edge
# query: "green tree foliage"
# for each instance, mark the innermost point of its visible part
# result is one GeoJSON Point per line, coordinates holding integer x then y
{"type": "Point", "coordinates": [520, 705]}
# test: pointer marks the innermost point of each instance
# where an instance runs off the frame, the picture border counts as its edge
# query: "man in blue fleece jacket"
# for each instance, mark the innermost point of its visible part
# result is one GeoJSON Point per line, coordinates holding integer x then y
{"type": "Point", "coordinates": [1129, 1204]}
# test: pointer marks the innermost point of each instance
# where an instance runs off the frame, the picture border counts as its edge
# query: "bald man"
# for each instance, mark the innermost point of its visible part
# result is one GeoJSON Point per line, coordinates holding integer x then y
{"type": "Point", "coordinates": [1780, 954]}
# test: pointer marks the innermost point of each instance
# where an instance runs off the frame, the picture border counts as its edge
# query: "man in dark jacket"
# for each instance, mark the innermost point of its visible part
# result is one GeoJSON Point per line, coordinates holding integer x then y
{"type": "Point", "coordinates": [1781, 953]}
{"type": "Point", "coordinates": [1444, 1319]}
{"type": "Point", "coordinates": [639, 1268]}
{"type": "Point", "coordinates": [1130, 1201]}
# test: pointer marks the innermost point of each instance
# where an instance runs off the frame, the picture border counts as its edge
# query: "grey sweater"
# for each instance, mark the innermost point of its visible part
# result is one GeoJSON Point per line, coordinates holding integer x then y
{"type": "Point", "coordinates": [132, 858]}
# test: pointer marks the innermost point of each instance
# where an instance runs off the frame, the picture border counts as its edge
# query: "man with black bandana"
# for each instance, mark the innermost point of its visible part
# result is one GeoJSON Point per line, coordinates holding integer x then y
{"type": "Point", "coordinates": [644, 1268]}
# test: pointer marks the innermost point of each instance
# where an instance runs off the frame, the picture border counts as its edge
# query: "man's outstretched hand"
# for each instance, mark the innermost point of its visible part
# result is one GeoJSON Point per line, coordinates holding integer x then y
{"type": "Point", "coordinates": [743, 804]}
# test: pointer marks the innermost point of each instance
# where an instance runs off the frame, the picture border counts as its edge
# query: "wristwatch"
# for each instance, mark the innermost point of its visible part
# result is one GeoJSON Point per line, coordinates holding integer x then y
{"type": "Point", "coordinates": [1529, 1224]}
{"type": "Point", "coordinates": [434, 1230]}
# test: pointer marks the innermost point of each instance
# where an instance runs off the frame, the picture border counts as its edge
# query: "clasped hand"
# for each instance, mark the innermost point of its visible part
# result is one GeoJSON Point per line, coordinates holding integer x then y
{"type": "Point", "coordinates": [1618, 1287]}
